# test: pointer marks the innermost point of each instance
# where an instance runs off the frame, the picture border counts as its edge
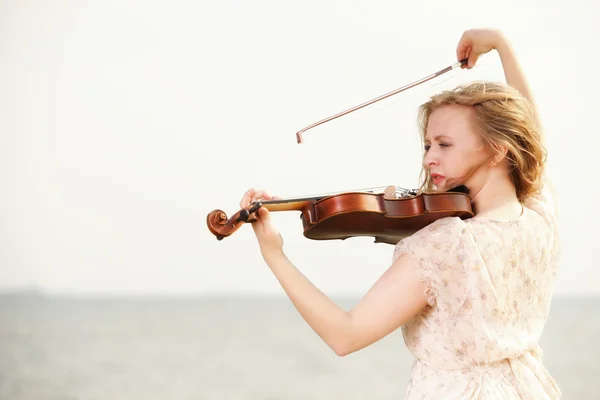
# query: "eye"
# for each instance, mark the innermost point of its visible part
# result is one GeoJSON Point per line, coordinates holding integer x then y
{"type": "Point", "coordinates": [444, 145]}
{"type": "Point", "coordinates": [427, 147]}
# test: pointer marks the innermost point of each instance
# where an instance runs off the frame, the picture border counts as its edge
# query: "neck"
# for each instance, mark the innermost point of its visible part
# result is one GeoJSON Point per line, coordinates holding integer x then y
{"type": "Point", "coordinates": [496, 195]}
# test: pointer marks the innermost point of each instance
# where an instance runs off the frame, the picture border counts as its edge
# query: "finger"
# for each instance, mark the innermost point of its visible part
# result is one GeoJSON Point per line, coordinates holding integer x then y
{"type": "Point", "coordinates": [259, 217]}
{"type": "Point", "coordinates": [460, 50]}
{"type": "Point", "coordinates": [473, 59]}
{"type": "Point", "coordinates": [463, 47]}
{"type": "Point", "coordinates": [258, 195]}
{"type": "Point", "coordinates": [246, 198]}
{"type": "Point", "coordinates": [466, 54]}
{"type": "Point", "coordinates": [460, 53]}
{"type": "Point", "coordinates": [267, 196]}
{"type": "Point", "coordinates": [262, 195]}
{"type": "Point", "coordinates": [263, 214]}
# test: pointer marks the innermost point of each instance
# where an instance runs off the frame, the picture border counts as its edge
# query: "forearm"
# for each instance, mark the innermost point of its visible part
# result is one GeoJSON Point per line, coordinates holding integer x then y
{"type": "Point", "coordinates": [513, 72]}
{"type": "Point", "coordinates": [515, 77]}
{"type": "Point", "coordinates": [328, 320]}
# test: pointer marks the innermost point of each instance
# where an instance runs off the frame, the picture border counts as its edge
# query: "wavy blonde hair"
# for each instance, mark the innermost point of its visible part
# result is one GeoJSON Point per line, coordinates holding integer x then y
{"type": "Point", "coordinates": [503, 117]}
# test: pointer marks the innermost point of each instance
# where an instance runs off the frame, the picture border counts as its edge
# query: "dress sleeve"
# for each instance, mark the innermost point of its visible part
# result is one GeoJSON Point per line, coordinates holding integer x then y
{"type": "Point", "coordinates": [441, 258]}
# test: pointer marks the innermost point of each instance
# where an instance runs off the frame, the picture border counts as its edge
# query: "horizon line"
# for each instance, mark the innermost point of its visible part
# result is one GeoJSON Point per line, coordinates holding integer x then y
{"type": "Point", "coordinates": [42, 293]}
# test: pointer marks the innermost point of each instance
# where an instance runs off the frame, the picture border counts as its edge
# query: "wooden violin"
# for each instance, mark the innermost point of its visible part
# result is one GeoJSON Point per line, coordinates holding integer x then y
{"type": "Point", "coordinates": [359, 213]}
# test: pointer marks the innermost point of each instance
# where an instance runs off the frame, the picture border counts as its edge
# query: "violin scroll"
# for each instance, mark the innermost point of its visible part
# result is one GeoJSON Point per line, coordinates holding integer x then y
{"type": "Point", "coordinates": [221, 226]}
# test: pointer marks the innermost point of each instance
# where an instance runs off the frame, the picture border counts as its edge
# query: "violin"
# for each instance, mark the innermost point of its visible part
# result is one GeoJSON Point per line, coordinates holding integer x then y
{"type": "Point", "coordinates": [358, 213]}
{"type": "Point", "coordinates": [386, 218]}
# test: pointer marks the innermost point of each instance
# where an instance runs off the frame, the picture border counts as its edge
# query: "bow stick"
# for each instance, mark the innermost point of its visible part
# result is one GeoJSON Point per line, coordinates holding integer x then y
{"type": "Point", "coordinates": [403, 88]}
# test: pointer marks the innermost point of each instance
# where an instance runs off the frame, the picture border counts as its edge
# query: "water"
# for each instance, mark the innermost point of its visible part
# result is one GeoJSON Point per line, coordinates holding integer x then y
{"type": "Point", "coordinates": [230, 348]}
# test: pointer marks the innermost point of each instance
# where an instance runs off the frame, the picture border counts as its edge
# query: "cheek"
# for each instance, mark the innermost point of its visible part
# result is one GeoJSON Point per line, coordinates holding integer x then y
{"type": "Point", "coordinates": [472, 159]}
{"type": "Point", "coordinates": [458, 163]}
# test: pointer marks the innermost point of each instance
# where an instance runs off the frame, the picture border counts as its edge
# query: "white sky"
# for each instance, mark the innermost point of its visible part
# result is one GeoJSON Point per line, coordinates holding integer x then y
{"type": "Point", "coordinates": [123, 123]}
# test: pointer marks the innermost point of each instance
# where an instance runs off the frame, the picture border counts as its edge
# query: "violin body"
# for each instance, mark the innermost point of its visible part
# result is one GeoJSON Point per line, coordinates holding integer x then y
{"type": "Point", "coordinates": [386, 220]}
{"type": "Point", "coordinates": [353, 214]}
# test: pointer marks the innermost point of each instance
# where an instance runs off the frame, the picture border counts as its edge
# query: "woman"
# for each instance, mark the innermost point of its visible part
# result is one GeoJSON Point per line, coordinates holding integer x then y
{"type": "Point", "coordinates": [471, 296]}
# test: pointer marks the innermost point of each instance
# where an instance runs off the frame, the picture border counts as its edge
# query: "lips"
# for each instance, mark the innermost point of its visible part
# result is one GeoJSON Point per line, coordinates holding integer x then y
{"type": "Point", "coordinates": [437, 178]}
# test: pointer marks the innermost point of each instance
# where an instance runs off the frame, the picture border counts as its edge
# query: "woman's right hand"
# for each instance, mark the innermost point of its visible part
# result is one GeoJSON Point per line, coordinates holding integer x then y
{"type": "Point", "coordinates": [476, 42]}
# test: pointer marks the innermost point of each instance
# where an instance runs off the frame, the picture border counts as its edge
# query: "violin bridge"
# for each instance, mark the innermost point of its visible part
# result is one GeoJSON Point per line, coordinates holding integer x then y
{"type": "Point", "coordinates": [395, 192]}
{"type": "Point", "coordinates": [402, 193]}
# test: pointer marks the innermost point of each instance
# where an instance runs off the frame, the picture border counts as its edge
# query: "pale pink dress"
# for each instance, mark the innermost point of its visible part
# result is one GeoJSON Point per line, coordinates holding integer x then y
{"type": "Point", "coordinates": [489, 286]}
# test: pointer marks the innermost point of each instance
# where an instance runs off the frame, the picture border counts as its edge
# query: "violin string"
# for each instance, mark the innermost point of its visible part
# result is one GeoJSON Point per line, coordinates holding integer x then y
{"type": "Point", "coordinates": [377, 189]}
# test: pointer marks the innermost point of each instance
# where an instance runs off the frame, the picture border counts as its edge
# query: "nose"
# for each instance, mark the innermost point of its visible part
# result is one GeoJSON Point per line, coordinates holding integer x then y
{"type": "Point", "coordinates": [430, 159]}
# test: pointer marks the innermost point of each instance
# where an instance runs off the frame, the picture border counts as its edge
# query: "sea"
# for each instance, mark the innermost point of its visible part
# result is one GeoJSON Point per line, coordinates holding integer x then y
{"type": "Point", "coordinates": [119, 348]}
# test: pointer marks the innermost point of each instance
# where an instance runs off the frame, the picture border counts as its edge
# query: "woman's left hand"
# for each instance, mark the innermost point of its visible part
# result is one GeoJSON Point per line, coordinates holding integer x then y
{"type": "Point", "coordinates": [269, 238]}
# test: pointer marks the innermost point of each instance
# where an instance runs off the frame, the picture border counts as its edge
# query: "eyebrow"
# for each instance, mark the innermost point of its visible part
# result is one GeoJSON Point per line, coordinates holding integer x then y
{"type": "Point", "coordinates": [438, 137]}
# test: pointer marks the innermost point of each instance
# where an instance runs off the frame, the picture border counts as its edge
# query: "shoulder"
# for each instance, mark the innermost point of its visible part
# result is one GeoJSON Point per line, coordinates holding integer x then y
{"type": "Point", "coordinates": [439, 237]}
{"type": "Point", "coordinates": [441, 228]}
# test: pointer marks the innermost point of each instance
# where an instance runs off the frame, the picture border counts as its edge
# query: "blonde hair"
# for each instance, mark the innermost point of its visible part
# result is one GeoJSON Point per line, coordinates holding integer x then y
{"type": "Point", "coordinates": [503, 117]}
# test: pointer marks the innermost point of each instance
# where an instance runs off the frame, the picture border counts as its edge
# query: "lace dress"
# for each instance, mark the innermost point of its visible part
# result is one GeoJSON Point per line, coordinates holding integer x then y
{"type": "Point", "coordinates": [489, 285]}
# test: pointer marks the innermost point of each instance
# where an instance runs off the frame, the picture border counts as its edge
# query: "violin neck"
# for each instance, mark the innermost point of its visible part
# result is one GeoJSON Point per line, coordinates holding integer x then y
{"type": "Point", "coordinates": [295, 204]}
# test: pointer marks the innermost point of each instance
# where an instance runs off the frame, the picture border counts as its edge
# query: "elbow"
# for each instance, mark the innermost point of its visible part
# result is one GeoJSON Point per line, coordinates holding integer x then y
{"type": "Point", "coordinates": [342, 352]}
{"type": "Point", "coordinates": [343, 349]}
{"type": "Point", "coordinates": [346, 340]}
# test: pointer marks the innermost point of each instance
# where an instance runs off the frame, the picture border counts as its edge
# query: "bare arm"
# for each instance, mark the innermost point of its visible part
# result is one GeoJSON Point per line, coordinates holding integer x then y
{"type": "Point", "coordinates": [393, 300]}
{"type": "Point", "coordinates": [513, 71]}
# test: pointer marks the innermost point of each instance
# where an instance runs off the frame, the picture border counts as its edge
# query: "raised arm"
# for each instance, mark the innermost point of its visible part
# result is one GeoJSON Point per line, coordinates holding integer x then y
{"type": "Point", "coordinates": [513, 71]}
